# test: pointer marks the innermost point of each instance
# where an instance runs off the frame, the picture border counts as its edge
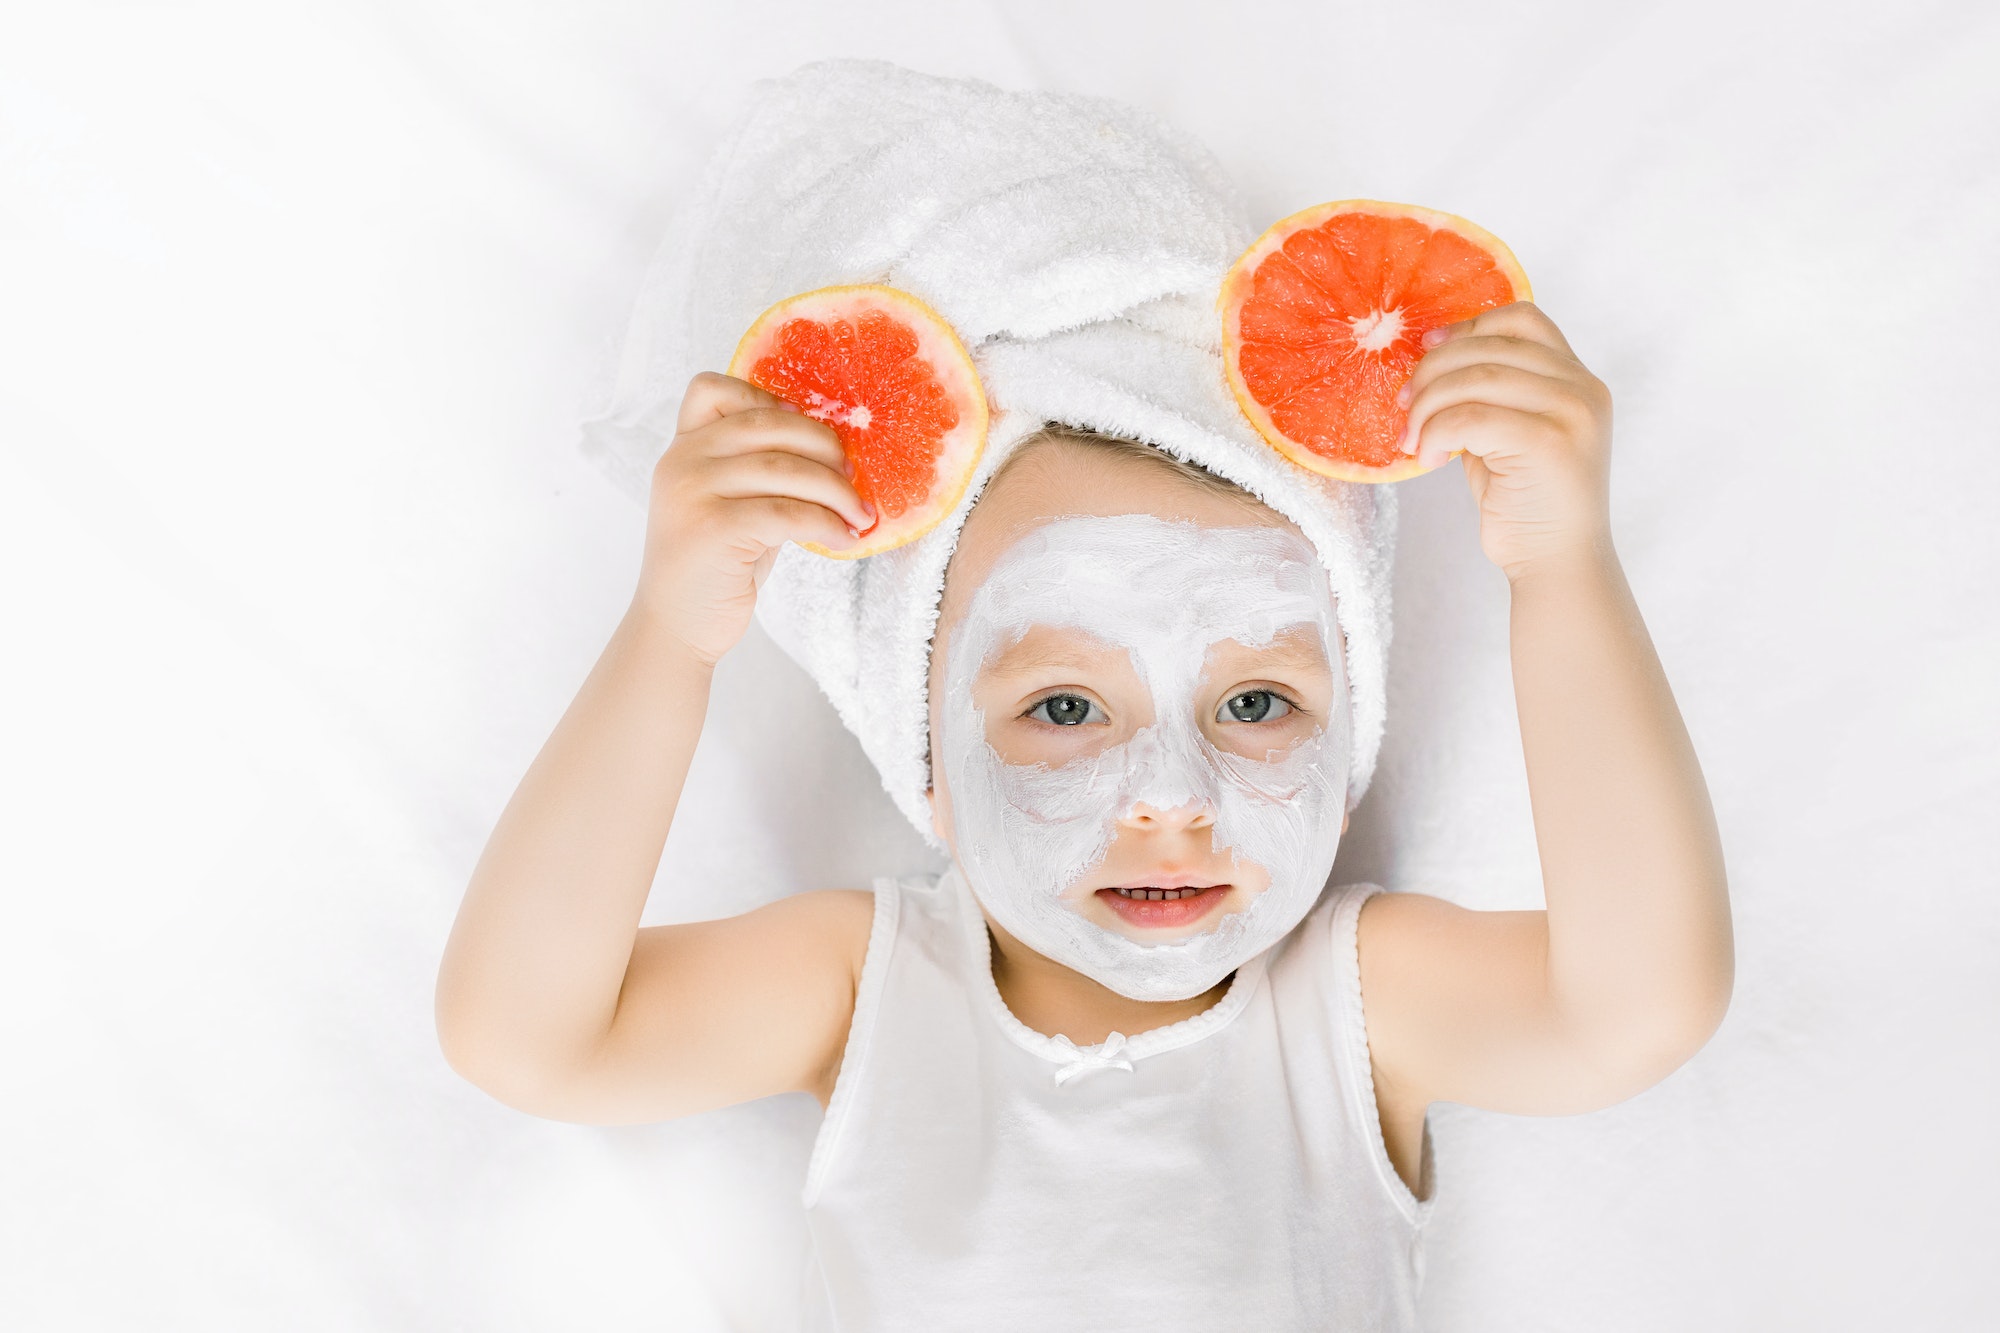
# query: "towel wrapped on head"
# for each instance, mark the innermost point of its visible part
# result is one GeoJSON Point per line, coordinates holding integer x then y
{"type": "Point", "coordinates": [1076, 244]}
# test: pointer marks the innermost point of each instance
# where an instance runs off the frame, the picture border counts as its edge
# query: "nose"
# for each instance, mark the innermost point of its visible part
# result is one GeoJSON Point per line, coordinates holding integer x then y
{"type": "Point", "coordinates": [1193, 813]}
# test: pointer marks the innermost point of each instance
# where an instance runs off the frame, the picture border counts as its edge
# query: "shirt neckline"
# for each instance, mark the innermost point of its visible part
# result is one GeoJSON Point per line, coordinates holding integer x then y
{"type": "Point", "coordinates": [1059, 1050]}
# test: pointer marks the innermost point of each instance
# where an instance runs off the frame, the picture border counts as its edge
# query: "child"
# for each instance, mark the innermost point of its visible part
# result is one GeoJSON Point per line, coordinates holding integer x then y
{"type": "Point", "coordinates": [1112, 1069]}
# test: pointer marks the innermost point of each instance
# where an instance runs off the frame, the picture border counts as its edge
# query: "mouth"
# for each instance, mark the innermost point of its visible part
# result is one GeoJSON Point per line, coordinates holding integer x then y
{"type": "Point", "coordinates": [1172, 903]}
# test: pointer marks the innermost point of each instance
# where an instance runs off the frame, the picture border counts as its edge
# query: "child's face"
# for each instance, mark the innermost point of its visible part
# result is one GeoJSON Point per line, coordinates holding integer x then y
{"type": "Point", "coordinates": [1151, 698]}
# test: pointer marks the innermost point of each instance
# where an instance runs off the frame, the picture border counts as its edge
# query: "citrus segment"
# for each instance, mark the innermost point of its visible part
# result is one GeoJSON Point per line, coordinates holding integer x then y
{"type": "Point", "coordinates": [1323, 322]}
{"type": "Point", "coordinates": [892, 379]}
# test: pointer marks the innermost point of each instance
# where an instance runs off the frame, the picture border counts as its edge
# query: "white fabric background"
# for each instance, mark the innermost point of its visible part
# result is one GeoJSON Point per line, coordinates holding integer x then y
{"type": "Point", "coordinates": [299, 307]}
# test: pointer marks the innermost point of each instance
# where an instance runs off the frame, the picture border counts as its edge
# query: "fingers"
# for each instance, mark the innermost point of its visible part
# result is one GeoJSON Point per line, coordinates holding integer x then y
{"type": "Point", "coordinates": [723, 415]}
{"type": "Point", "coordinates": [760, 428]}
{"type": "Point", "coordinates": [1483, 383]}
{"type": "Point", "coordinates": [1469, 350]}
{"type": "Point", "coordinates": [1521, 319]}
{"type": "Point", "coordinates": [770, 521]}
{"type": "Point", "coordinates": [753, 471]}
{"type": "Point", "coordinates": [711, 396]}
{"type": "Point", "coordinates": [1486, 431]}
{"type": "Point", "coordinates": [773, 473]}
{"type": "Point", "coordinates": [1509, 368]}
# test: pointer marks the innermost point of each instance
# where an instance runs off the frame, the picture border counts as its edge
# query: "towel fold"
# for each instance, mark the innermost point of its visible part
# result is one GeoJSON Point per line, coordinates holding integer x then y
{"type": "Point", "coordinates": [1076, 244]}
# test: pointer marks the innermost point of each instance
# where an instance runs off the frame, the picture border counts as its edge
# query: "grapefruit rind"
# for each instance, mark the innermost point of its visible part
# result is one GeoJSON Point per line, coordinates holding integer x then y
{"type": "Point", "coordinates": [939, 346]}
{"type": "Point", "coordinates": [1236, 286]}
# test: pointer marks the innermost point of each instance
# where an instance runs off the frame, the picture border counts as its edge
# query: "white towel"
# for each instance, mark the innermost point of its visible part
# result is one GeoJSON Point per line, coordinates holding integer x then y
{"type": "Point", "coordinates": [1077, 246]}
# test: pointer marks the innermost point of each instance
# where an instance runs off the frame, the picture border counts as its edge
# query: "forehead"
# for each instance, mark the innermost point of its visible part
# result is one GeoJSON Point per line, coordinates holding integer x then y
{"type": "Point", "coordinates": [1064, 479]}
{"type": "Point", "coordinates": [1170, 557]}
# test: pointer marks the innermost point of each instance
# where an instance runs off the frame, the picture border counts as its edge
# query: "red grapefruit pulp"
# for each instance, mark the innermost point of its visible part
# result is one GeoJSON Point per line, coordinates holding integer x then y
{"type": "Point", "coordinates": [1323, 321]}
{"type": "Point", "coordinates": [892, 379]}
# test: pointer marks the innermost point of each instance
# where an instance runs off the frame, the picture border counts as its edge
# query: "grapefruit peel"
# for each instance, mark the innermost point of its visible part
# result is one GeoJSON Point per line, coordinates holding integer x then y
{"type": "Point", "coordinates": [1337, 325]}
{"type": "Point", "coordinates": [895, 383]}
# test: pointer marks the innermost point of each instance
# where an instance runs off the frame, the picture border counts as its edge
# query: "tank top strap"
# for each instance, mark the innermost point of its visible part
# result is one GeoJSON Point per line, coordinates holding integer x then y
{"type": "Point", "coordinates": [1325, 958]}
{"type": "Point", "coordinates": [912, 923]}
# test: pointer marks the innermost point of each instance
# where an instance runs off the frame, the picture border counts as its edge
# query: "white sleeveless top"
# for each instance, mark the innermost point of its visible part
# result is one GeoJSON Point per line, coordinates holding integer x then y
{"type": "Point", "coordinates": [1225, 1172]}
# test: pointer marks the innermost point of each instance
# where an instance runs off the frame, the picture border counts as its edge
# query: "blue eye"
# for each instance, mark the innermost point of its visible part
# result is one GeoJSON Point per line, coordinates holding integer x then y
{"type": "Point", "coordinates": [1066, 710]}
{"type": "Point", "coordinates": [1252, 706]}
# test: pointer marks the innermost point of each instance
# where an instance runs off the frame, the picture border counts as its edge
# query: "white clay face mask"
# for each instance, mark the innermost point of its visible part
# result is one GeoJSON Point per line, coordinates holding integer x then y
{"type": "Point", "coordinates": [1027, 835]}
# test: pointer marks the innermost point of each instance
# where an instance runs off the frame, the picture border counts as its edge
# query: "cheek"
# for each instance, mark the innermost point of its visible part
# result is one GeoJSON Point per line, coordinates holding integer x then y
{"type": "Point", "coordinates": [1048, 796]}
{"type": "Point", "coordinates": [1289, 823]}
{"type": "Point", "coordinates": [1247, 875]}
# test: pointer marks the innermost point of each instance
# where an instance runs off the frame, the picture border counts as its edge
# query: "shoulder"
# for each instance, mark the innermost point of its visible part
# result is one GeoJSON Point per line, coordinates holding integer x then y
{"type": "Point", "coordinates": [1391, 943]}
{"type": "Point", "coordinates": [821, 920]}
{"type": "Point", "coordinates": [922, 910]}
{"type": "Point", "coordinates": [1418, 930]}
{"type": "Point", "coordinates": [1387, 920]}
{"type": "Point", "coordinates": [834, 908]}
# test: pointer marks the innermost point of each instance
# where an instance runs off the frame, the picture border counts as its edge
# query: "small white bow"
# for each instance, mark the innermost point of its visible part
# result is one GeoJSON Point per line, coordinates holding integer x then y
{"type": "Point", "coordinates": [1083, 1059]}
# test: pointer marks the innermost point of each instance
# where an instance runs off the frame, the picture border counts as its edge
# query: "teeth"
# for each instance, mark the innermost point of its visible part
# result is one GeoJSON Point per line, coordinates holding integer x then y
{"type": "Point", "coordinates": [1157, 895]}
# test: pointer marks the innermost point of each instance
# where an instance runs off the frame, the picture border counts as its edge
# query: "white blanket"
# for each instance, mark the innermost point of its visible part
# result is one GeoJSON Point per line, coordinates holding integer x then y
{"type": "Point", "coordinates": [300, 307]}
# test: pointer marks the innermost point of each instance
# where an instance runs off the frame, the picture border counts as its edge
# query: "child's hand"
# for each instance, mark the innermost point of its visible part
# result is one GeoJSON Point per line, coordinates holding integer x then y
{"type": "Point", "coordinates": [1534, 424]}
{"type": "Point", "coordinates": [746, 473]}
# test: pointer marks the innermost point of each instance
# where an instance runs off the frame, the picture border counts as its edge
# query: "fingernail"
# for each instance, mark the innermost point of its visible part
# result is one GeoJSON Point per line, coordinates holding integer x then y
{"type": "Point", "coordinates": [1403, 396]}
{"type": "Point", "coordinates": [1432, 337]}
{"type": "Point", "coordinates": [847, 466]}
{"type": "Point", "coordinates": [854, 532]}
{"type": "Point", "coordinates": [788, 407]}
{"type": "Point", "coordinates": [1408, 443]}
{"type": "Point", "coordinates": [869, 510]}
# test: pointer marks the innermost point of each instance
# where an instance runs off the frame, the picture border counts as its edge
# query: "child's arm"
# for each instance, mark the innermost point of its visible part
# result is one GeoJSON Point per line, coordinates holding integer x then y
{"type": "Point", "coordinates": [549, 995]}
{"type": "Point", "coordinates": [1628, 972]}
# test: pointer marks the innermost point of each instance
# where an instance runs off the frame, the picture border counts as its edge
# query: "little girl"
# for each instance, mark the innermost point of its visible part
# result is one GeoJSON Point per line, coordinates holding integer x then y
{"type": "Point", "coordinates": [1125, 1064]}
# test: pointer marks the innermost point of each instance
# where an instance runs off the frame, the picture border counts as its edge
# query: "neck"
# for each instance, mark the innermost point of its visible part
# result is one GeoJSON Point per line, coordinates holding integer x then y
{"type": "Point", "coordinates": [1060, 1001]}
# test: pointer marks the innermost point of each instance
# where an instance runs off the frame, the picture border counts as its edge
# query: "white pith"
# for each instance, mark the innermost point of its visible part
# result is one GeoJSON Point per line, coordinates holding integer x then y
{"type": "Point", "coordinates": [1377, 329]}
{"type": "Point", "coordinates": [836, 413]}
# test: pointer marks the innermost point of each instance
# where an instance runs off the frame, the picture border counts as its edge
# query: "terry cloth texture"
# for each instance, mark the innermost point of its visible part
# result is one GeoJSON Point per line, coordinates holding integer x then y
{"type": "Point", "coordinates": [1076, 244]}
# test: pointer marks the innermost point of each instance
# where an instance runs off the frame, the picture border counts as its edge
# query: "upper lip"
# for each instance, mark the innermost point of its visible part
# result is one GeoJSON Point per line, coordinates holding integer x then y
{"type": "Point", "coordinates": [1174, 881]}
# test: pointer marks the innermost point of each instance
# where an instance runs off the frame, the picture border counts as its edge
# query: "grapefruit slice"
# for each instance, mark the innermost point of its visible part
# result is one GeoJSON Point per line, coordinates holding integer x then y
{"type": "Point", "coordinates": [1323, 321]}
{"type": "Point", "coordinates": [897, 386]}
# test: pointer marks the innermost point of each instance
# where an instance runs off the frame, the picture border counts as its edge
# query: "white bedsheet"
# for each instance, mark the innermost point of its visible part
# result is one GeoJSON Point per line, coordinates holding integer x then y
{"type": "Point", "coordinates": [299, 306]}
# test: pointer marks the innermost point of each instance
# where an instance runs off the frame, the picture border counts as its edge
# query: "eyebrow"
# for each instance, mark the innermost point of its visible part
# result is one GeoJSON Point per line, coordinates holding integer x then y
{"type": "Point", "coordinates": [1021, 657]}
{"type": "Point", "coordinates": [1284, 650]}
